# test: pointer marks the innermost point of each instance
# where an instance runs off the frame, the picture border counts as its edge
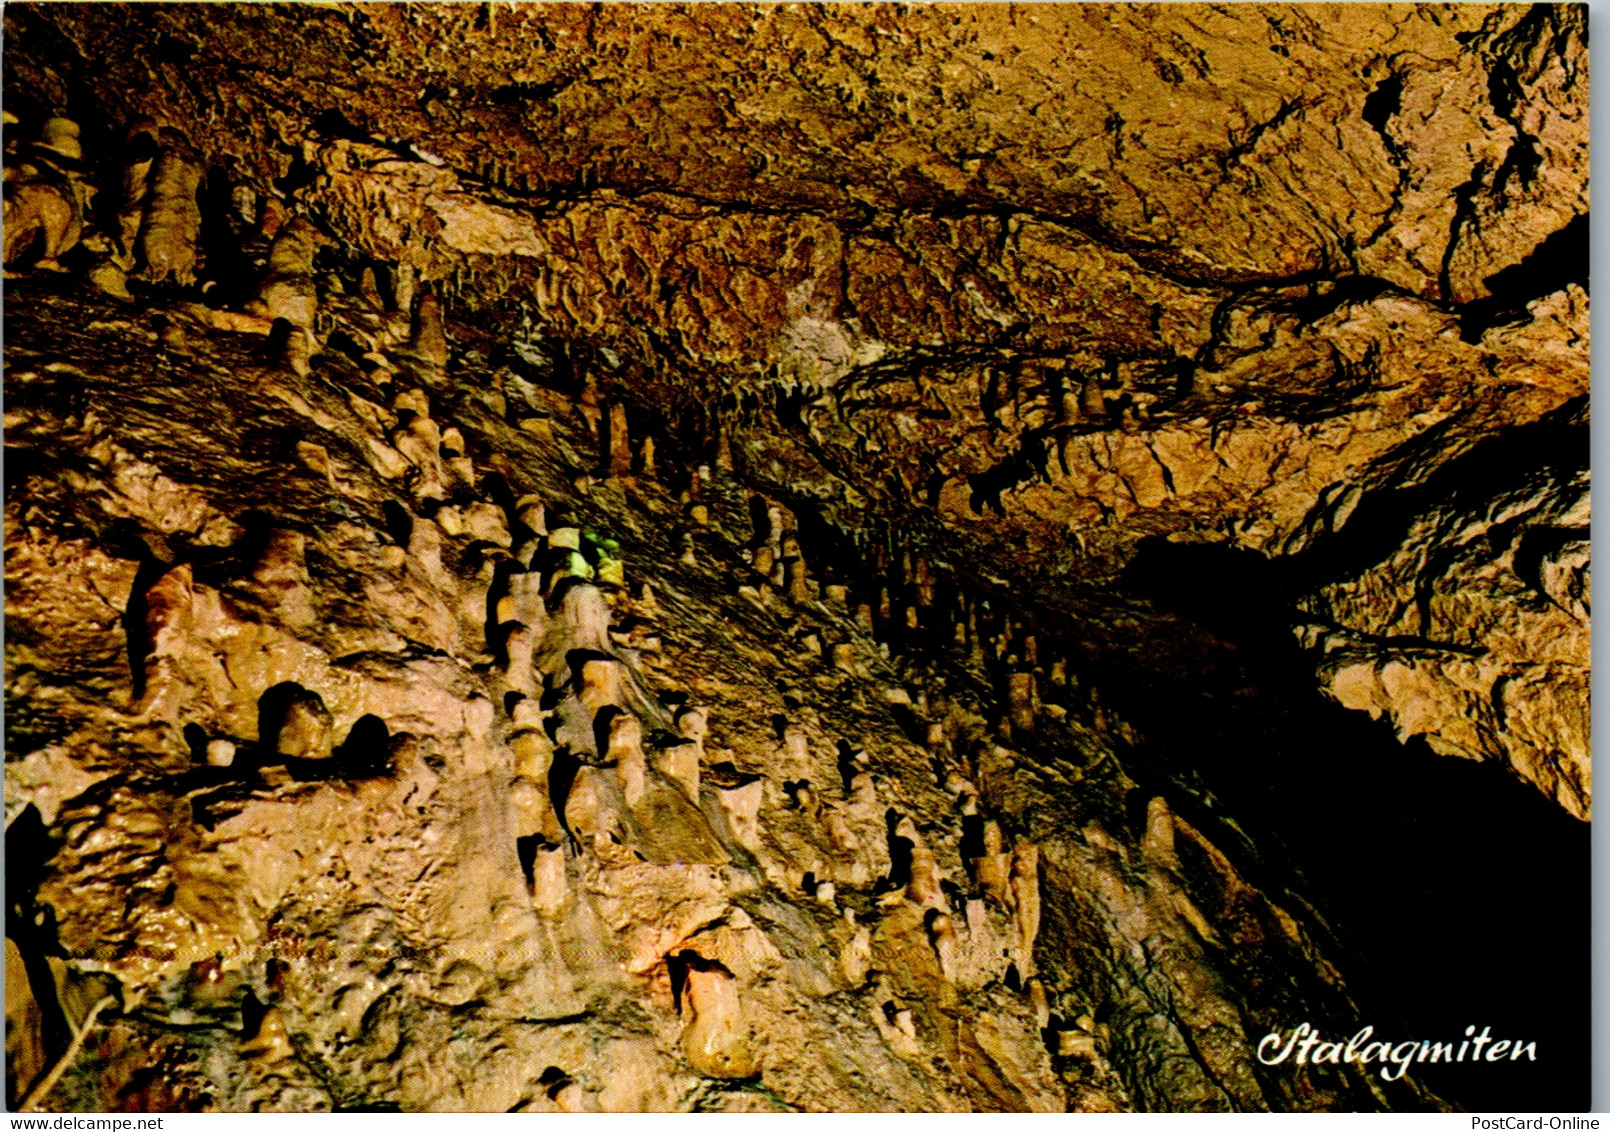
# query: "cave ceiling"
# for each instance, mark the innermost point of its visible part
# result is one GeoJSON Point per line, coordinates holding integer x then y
{"type": "Point", "coordinates": [1202, 387]}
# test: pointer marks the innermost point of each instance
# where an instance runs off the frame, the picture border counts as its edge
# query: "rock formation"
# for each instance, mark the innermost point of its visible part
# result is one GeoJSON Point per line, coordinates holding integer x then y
{"type": "Point", "coordinates": [743, 558]}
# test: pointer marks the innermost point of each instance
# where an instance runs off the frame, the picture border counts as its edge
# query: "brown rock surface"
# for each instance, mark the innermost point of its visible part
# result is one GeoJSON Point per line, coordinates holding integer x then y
{"type": "Point", "coordinates": [738, 558]}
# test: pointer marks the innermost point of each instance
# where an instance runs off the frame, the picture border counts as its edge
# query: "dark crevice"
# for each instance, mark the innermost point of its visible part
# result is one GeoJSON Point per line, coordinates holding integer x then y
{"type": "Point", "coordinates": [1380, 106]}
{"type": "Point", "coordinates": [1557, 262]}
{"type": "Point", "coordinates": [1464, 211]}
{"type": "Point", "coordinates": [1558, 444]}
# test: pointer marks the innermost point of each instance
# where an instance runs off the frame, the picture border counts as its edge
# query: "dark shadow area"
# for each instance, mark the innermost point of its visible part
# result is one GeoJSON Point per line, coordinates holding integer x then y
{"type": "Point", "coordinates": [603, 720]}
{"type": "Point", "coordinates": [367, 751]}
{"type": "Point", "coordinates": [526, 849]}
{"type": "Point", "coordinates": [561, 777]}
{"type": "Point", "coordinates": [399, 522]}
{"type": "Point", "coordinates": [229, 270]}
{"type": "Point", "coordinates": [1459, 895]}
{"type": "Point", "coordinates": [1560, 259]}
{"type": "Point", "coordinates": [28, 849]}
{"type": "Point", "coordinates": [125, 542]}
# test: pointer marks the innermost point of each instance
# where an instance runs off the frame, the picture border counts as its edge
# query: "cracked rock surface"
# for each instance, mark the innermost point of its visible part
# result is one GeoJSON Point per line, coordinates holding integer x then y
{"type": "Point", "coordinates": [739, 558]}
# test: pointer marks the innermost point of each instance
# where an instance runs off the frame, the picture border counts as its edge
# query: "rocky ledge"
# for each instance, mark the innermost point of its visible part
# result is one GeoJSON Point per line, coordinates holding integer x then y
{"type": "Point", "coordinates": [741, 558]}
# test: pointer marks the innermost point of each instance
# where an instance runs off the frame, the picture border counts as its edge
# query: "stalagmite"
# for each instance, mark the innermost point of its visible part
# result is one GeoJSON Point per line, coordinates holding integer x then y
{"type": "Point", "coordinates": [271, 1043]}
{"type": "Point", "coordinates": [531, 513]}
{"type": "Point", "coordinates": [992, 871]}
{"type": "Point", "coordinates": [519, 649]}
{"type": "Point", "coordinates": [1039, 1002]}
{"type": "Point", "coordinates": [741, 804]}
{"type": "Point", "coordinates": [588, 815]}
{"type": "Point", "coordinates": [980, 941]}
{"type": "Point", "coordinates": [532, 751]}
{"type": "Point", "coordinates": [626, 751]}
{"type": "Point", "coordinates": [403, 278]}
{"type": "Point", "coordinates": [1020, 695]}
{"type": "Point", "coordinates": [304, 728]}
{"type": "Point", "coordinates": [680, 762]}
{"type": "Point", "coordinates": [923, 582]}
{"type": "Point", "coordinates": [839, 834]}
{"type": "Point", "coordinates": [1092, 404]}
{"type": "Point", "coordinates": [529, 719]}
{"type": "Point", "coordinates": [942, 937]}
{"type": "Point", "coordinates": [172, 221]}
{"type": "Point", "coordinates": [922, 887]}
{"type": "Point", "coordinates": [39, 212]}
{"type": "Point", "coordinates": [47, 196]}
{"type": "Point", "coordinates": [589, 403]}
{"type": "Point", "coordinates": [287, 290]}
{"type": "Point", "coordinates": [1158, 841]}
{"type": "Point", "coordinates": [715, 1039]}
{"type": "Point", "coordinates": [425, 549]}
{"type": "Point", "coordinates": [420, 442]}
{"type": "Point", "coordinates": [855, 961]}
{"type": "Point", "coordinates": [794, 569]}
{"type": "Point", "coordinates": [617, 444]}
{"type": "Point", "coordinates": [521, 599]}
{"type": "Point", "coordinates": [139, 154]}
{"type": "Point", "coordinates": [293, 353]}
{"type": "Point", "coordinates": [550, 889]}
{"type": "Point", "coordinates": [529, 802]}
{"type": "Point", "coordinates": [583, 619]}
{"type": "Point", "coordinates": [1026, 901]}
{"type": "Point", "coordinates": [369, 289]}
{"type": "Point", "coordinates": [796, 747]}
{"type": "Point", "coordinates": [427, 340]}
{"type": "Point", "coordinates": [601, 684]}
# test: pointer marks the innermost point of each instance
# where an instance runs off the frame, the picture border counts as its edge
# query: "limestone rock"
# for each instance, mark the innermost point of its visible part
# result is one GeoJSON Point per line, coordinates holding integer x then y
{"type": "Point", "coordinates": [787, 558]}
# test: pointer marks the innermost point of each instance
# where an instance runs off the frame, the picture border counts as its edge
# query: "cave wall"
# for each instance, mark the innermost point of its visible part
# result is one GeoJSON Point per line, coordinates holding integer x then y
{"type": "Point", "coordinates": [675, 531]}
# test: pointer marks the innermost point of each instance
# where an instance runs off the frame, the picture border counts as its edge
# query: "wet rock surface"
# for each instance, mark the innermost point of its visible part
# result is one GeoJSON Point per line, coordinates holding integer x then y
{"type": "Point", "coordinates": [746, 559]}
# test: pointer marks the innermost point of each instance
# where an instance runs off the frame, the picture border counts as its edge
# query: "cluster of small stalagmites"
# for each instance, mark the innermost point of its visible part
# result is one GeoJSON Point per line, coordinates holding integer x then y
{"type": "Point", "coordinates": [145, 226]}
{"type": "Point", "coordinates": [601, 815]}
{"type": "Point", "coordinates": [977, 926]}
{"type": "Point", "coordinates": [980, 924]}
{"type": "Point", "coordinates": [592, 751]}
{"type": "Point", "coordinates": [905, 603]}
{"type": "Point", "coordinates": [51, 203]}
{"type": "Point", "coordinates": [46, 194]}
